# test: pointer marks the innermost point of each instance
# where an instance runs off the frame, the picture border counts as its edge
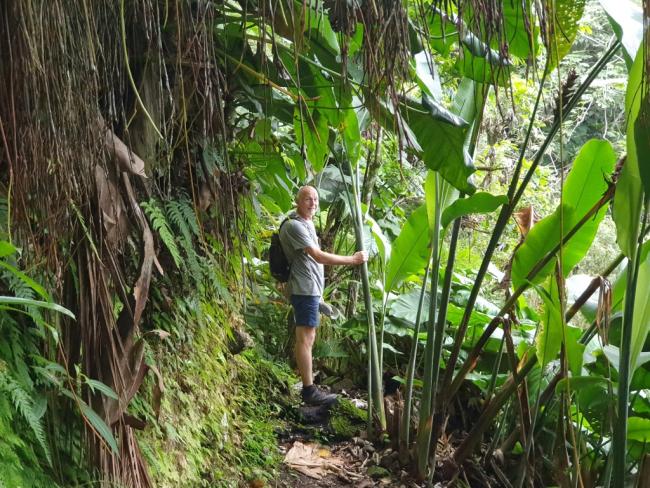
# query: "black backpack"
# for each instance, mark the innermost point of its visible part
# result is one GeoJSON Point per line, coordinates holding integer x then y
{"type": "Point", "coordinates": [278, 262]}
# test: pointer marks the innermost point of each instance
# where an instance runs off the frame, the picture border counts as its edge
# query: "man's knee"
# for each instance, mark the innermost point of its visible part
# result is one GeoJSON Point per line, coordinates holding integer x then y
{"type": "Point", "coordinates": [305, 335]}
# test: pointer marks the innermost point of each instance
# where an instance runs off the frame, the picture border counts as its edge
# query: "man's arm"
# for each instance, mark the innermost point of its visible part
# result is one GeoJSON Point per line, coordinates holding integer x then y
{"type": "Point", "coordinates": [323, 257]}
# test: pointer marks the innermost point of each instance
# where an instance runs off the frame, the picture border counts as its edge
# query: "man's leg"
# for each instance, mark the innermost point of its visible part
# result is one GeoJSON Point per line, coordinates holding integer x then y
{"type": "Point", "coordinates": [305, 337]}
{"type": "Point", "coordinates": [306, 313]}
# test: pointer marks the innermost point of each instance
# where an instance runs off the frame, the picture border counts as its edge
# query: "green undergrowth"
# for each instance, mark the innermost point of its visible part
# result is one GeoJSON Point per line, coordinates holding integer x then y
{"type": "Point", "coordinates": [219, 411]}
{"type": "Point", "coordinates": [347, 420]}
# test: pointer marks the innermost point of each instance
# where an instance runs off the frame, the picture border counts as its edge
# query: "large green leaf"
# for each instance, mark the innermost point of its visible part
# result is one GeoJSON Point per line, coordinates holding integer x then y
{"type": "Point", "coordinates": [578, 382]}
{"type": "Point", "coordinates": [441, 135]}
{"type": "Point", "coordinates": [480, 202]}
{"type": "Point", "coordinates": [426, 75]}
{"type": "Point", "coordinates": [381, 241]}
{"type": "Point", "coordinates": [549, 338]}
{"type": "Point", "coordinates": [627, 22]}
{"type": "Point", "coordinates": [477, 60]}
{"type": "Point", "coordinates": [583, 187]}
{"type": "Point", "coordinates": [638, 429]}
{"type": "Point", "coordinates": [629, 189]}
{"type": "Point", "coordinates": [311, 129]}
{"type": "Point", "coordinates": [642, 140]}
{"type": "Point", "coordinates": [405, 306]}
{"type": "Point", "coordinates": [410, 249]}
{"type": "Point", "coordinates": [641, 314]}
{"type": "Point", "coordinates": [566, 19]}
{"type": "Point", "coordinates": [515, 16]}
{"type": "Point", "coordinates": [437, 192]}
{"type": "Point", "coordinates": [485, 67]}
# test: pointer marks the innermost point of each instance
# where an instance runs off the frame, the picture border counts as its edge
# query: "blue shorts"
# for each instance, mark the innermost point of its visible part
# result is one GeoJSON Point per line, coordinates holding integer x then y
{"type": "Point", "coordinates": [305, 310]}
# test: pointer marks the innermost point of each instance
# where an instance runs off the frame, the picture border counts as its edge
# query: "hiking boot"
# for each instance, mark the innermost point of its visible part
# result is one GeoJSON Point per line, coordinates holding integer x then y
{"type": "Point", "coordinates": [312, 395]}
{"type": "Point", "coordinates": [328, 310]}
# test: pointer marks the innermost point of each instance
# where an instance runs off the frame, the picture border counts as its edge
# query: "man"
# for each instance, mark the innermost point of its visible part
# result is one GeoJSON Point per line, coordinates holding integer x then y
{"type": "Point", "coordinates": [306, 282]}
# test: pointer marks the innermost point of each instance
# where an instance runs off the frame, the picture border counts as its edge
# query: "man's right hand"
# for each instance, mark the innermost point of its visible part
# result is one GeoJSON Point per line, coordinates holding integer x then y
{"type": "Point", "coordinates": [359, 257]}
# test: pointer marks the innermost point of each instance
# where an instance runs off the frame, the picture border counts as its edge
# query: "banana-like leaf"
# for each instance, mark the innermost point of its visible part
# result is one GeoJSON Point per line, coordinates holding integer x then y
{"type": "Point", "coordinates": [481, 202]}
{"type": "Point", "coordinates": [410, 249]}
{"type": "Point", "coordinates": [382, 242]}
{"type": "Point", "coordinates": [584, 186]}
{"type": "Point", "coordinates": [641, 317]}
{"type": "Point", "coordinates": [477, 60]}
{"type": "Point", "coordinates": [426, 75]}
{"type": "Point", "coordinates": [642, 140]}
{"type": "Point", "coordinates": [626, 19]}
{"type": "Point", "coordinates": [638, 429]}
{"type": "Point", "coordinates": [311, 129]}
{"type": "Point", "coordinates": [441, 135]}
{"type": "Point", "coordinates": [578, 382]}
{"type": "Point", "coordinates": [405, 308]}
{"type": "Point", "coordinates": [437, 191]}
{"type": "Point", "coordinates": [629, 189]}
{"type": "Point", "coordinates": [515, 17]}
{"type": "Point", "coordinates": [549, 338]}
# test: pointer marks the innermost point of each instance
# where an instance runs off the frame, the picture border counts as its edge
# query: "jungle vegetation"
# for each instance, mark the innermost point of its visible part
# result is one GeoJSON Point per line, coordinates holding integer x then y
{"type": "Point", "coordinates": [492, 157]}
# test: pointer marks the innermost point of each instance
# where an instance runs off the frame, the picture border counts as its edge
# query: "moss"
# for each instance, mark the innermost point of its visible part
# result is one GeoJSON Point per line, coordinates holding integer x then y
{"type": "Point", "coordinates": [377, 472]}
{"type": "Point", "coordinates": [347, 420]}
{"type": "Point", "coordinates": [219, 412]}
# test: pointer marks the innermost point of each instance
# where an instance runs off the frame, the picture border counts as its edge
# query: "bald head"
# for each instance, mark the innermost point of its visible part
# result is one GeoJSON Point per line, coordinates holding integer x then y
{"type": "Point", "coordinates": [307, 202]}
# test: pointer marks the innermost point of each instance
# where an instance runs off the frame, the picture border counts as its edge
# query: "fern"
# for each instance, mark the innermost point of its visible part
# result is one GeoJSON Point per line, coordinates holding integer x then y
{"type": "Point", "coordinates": [176, 216]}
{"type": "Point", "coordinates": [24, 404]}
{"type": "Point", "coordinates": [160, 225]}
{"type": "Point", "coordinates": [181, 214]}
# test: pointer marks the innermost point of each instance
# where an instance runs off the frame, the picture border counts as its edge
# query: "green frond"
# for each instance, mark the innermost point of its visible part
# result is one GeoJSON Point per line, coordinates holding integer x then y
{"type": "Point", "coordinates": [24, 404]}
{"type": "Point", "coordinates": [161, 226]}
{"type": "Point", "coordinates": [177, 217]}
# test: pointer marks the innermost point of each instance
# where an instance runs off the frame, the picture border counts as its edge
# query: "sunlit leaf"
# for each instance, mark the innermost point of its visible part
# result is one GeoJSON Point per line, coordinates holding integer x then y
{"type": "Point", "coordinates": [629, 190]}
{"type": "Point", "coordinates": [566, 19]}
{"type": "Point", "coordinates": [575, 383]}
{"type": "Point", "coordinates": [584, 186]}
{"type": "Point", "coordinates": [410, 249]}
{"type": "Point", "coordinates": [481, 202]}
{"type": "Point", "coordinates": [311, 129]}
{"type": "Point", "coordinates": [641, 314]}
{"type": "Point", "coordinates": [549, 339]}
{"type": "Point", "coordinates": [441, 135]}
{"type": "Point", "coordinates": [381, 241]}
{"type": "Point", "coordinates": [6, 249]}
{"type": "Point", "coordinates": [638, 429]}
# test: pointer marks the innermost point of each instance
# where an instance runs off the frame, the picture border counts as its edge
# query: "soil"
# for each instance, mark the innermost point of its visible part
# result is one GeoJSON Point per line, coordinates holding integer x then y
{"type": "Point", "coordinates": [353, 462]}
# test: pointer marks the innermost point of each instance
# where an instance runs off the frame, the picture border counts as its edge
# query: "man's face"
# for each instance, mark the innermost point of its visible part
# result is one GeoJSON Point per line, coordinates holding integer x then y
{"type": "Point", "coordinates": [307, 202]}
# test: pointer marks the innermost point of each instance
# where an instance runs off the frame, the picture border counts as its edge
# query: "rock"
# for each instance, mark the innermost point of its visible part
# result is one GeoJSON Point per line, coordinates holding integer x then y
{"type": "Point", "coordinates": [344, 384]}
{"type": "Point", "coordinates": [369, 448]}
{"type": "Point", "coordinates": [319, 414]}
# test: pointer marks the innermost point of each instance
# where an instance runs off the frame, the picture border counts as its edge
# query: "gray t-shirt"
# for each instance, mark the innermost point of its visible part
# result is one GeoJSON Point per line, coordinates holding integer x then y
{"type": "Point", "coordinates": [307, 276]}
